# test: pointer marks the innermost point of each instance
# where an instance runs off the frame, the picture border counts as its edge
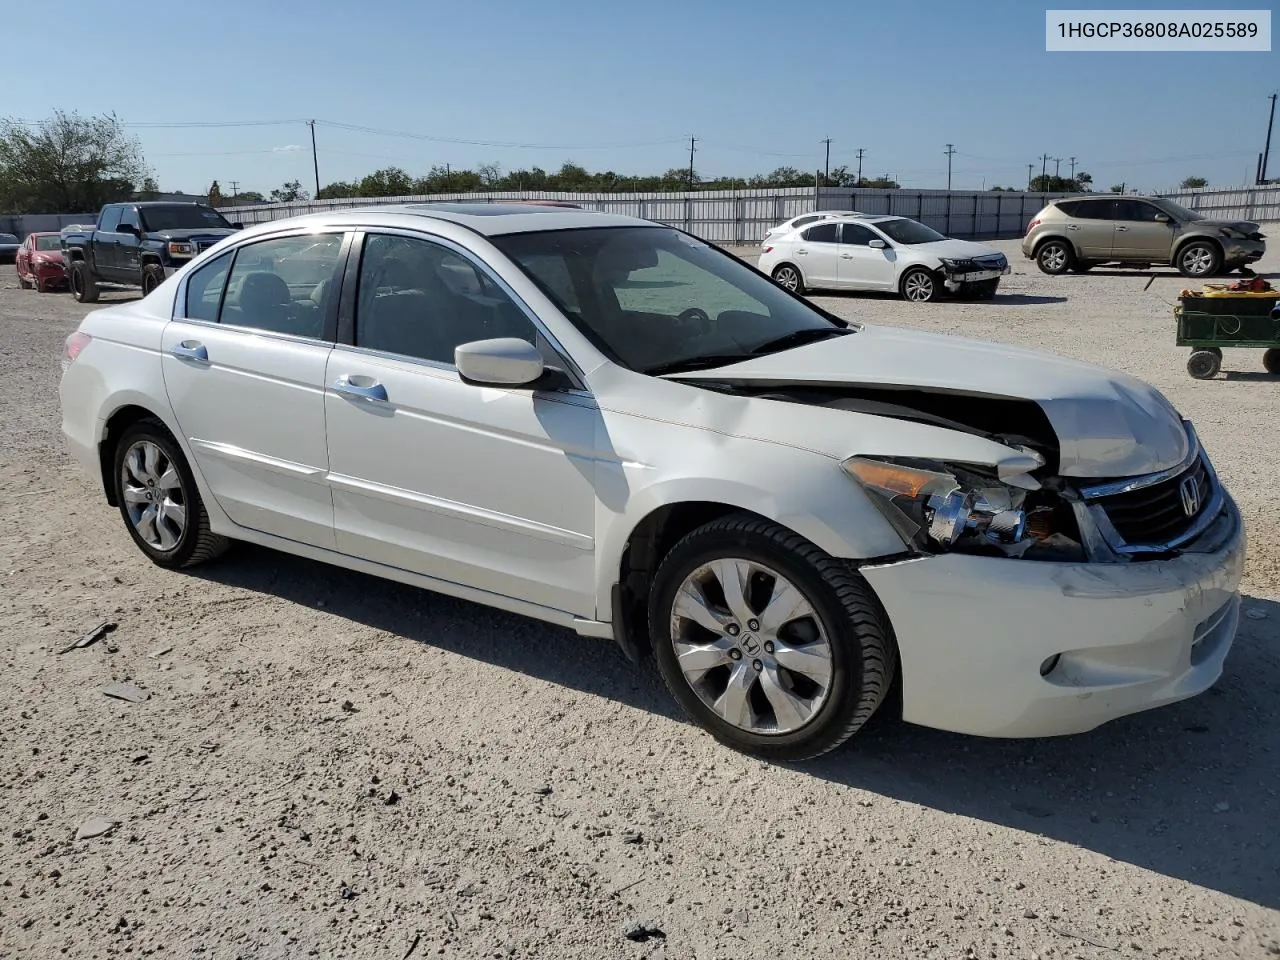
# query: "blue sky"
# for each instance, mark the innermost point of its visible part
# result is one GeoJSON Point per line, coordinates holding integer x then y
{"type": "Point", "coordinates": [623, 86]}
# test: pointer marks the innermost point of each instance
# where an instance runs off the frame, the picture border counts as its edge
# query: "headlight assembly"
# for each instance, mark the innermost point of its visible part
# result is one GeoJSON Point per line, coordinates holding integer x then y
{"type": "Point", "coordinates": [955, 506]}
{"type": "Point", "coordinates": [179, 248]}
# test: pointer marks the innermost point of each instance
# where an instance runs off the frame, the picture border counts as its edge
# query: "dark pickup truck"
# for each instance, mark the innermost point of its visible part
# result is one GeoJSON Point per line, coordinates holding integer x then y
{"type": "Point", "coordinates": [139, 244]}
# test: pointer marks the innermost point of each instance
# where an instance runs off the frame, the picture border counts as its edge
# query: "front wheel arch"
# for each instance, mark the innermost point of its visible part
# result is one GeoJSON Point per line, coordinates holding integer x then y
{"type": "Point", "coordinates": [1209, 241]}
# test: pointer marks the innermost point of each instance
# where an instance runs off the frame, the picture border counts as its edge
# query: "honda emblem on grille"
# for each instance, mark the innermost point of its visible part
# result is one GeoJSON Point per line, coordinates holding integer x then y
{"type": "Point", "coordinates": [1190, 492]}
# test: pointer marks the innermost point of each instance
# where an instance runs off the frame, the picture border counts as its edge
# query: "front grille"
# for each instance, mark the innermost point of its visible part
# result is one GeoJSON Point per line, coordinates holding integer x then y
{"type": "Point", "coordinates": [1157, 514]}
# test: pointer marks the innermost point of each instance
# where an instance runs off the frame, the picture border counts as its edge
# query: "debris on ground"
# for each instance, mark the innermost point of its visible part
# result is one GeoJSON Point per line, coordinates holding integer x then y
{"type": "Point", "coordinates": [543, 791]}
{"type": "Point", "coordinates": [633, 836]}
{"type": "Point", "coordinates": [154, 654]}
{"type": "Point", "coordinates": [123, 690]}
{"type": "Point", "coordinates": [639, 932]}
{"type": "Point", "coordinates": [95, 827]}
{"type": "Point", "coordinates": [93, 636]}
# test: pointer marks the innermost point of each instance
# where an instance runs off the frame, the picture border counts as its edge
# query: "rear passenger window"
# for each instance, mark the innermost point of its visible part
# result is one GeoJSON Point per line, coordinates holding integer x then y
{"type": "Point", "coordinates": [821, 233]}
{"type": "Point", "coordinates": [420, 299]}
{"type": "Point", "coordinates": [283, 285]}
{"type": "Point", "coordinates": [204, 289]}
{"type": "Point", "coordinates": [1070, 207]}
{"type": "Point", "coordinates": [801, 221]}
{"type": "Point", "coordinates": [1095, 210]}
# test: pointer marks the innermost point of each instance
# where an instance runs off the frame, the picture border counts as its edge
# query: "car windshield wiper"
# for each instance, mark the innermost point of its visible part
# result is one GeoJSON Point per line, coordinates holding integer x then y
{"type": "Point", "coordinates": [798, 338]}
{"type": "Point", "coordinates": [696, 363]}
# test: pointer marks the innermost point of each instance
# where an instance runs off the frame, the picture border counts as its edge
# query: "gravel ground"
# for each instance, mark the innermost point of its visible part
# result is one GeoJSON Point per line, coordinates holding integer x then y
{"type": "Point", "coordinates": [330, 765]}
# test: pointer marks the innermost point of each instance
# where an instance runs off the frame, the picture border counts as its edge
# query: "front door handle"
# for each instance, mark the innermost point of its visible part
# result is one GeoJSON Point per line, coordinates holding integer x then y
{"type": "Point", "coordinates": [1121, 229]}
{"type": "Point", "coordinates": [846, 256]}
{"type": "Point", "coordinates": [191, 350]}
{"type": "Point", "coordinates": [361, 388]}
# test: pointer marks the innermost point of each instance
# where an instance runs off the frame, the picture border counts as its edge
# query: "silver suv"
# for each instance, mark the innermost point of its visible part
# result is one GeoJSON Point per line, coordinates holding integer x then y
{"type": "Point", "coordinates": [1077, 233]}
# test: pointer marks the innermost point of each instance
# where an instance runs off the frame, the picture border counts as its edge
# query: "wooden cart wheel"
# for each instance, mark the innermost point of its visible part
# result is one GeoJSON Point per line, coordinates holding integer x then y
{"type": "Point", "coordinates": [1204, 364]}
{"type": "Point", "coordinates": [1271, 360]}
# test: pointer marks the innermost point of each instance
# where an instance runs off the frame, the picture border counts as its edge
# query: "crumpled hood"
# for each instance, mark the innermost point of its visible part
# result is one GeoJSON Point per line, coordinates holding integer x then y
{"type": "Point", "coordinates": [954, 249]}
{"type": "Point", "coordinates": [1108, 424]}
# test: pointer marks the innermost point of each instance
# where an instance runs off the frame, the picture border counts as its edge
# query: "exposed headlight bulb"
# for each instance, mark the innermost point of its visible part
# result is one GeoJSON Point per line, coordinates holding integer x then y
{"type": "Point", "coordinates": [954, 514]}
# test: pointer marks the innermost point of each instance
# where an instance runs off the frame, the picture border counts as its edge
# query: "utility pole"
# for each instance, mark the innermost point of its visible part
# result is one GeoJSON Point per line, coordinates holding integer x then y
{"type": "Point", "coordinates": [950, 151]}
{"type": "Point", "coordinates": [826, 176]}
{"type": "Point", "coordinates": [1266, 152]}
{"type": "Point", "coordinates": [234, 185]}
{"type": "Point", "coordinates": [315, 163]}
{"type": "Point", "coordinates": [692, 141]}
{"type": "Point", "coordinates": [858, 182]}
{"type": "Point", "coordinates": [1044, 167]}
{"type": "Point", "coordinates": [1073, 168]}
{"type": "Point", "coordinates": [1030, 167]}
{"type": "Point", "coordinates": [1057, 166]}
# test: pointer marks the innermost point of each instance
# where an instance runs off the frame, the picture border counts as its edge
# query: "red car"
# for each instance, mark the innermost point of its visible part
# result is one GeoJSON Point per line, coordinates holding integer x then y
{"type": "Point", "coordinates": [40, 263]}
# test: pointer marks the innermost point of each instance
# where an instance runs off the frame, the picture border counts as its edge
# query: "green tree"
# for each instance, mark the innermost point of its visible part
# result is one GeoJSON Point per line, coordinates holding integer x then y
{"type": "Point", "coordinates": [882, 182]}
{"type": "Point", "coordinates": [387, 182]}
{"type": "Point", "coordinates": [67, 163]}
{"type": "Point", "coordinates": [1194, 183]}
{"type": "Point", "coordinates": [337, 190]}
{"type": "Point", "coordinates": [290, 190]}
{"type": "Point", "coordinates": [215, 194]}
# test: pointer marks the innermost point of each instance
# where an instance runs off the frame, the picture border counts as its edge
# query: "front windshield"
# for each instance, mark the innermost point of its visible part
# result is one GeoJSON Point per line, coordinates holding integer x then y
{"type": "Point", "coordinates": [183, 217]}
{"type": "Point", "coordinates": [51, 242]}
{"type": "Point", "coordinates": [902, 230]}
{"type": "Point", "coordinates": [657, 300]}
{"type": "Point", "coordinates": [1177, 211]}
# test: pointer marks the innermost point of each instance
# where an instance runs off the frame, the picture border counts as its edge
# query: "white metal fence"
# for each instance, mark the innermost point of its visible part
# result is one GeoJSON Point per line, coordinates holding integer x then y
{"type": "Point", "coordinates": [738, 216]}
{"type": "Point", "coordinates": [1259, 204]}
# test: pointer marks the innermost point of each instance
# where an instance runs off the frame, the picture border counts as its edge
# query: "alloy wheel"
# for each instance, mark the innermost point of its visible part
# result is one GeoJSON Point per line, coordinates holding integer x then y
{"type": "Point", "coordinates": [154, 499]}
{"type": "Point", "coordinates": [918, 287]}
{"type": "Point", "coordinates": [751, 646]}
{"type": "Point", "coordinates": [787, 277]}
{"type": "Point", "coordinates": [1197, 260]}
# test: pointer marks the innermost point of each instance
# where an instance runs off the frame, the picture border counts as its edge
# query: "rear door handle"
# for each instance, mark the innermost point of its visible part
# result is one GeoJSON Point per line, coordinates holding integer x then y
{"type": "Point", "coordinates": [191, 350]}
{"type": "Point", "coordinates": [846, 256]}
{"type": "Point", "coordinates": [801, 252]}
{"type": "Point", "coordinates": [1072, 226]}
{"type": "Point", "coordinates": [360, 388]}
{"type": "Point", "coordinates": [1121, 229]}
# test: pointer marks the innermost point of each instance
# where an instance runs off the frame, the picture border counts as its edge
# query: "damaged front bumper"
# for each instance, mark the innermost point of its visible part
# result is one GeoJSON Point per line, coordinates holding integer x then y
{"type": "Point", "coordinates": [1011, 648]}
{"type": "Point", "coordinates": [957, 276]}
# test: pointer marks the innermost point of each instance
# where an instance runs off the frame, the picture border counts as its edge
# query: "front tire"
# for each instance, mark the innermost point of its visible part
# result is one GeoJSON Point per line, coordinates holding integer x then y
{"type": "Point", "coordinates": [789, 278]}
{"type": "Point", "coordinates": [774, 647]}
{"type": "Point", "coordinates": [159, 500]}
{"type": "Point", "coordinates": [1204, 364]}
{"type": "Point", "coordinates": [920, 286]}
{"type": "Point", "coordinates": [152, 277]}
{"type": "Point", "coordinates": [1271, 360]}
{"type": "Point", "coordinates": [84, 287]}
{"type": "Point", "coordinates": [23, 282]}
{"type": "Point", "coordinates": [1199, 258]}
{"type": "Point", "coordinates": [1055, 257]}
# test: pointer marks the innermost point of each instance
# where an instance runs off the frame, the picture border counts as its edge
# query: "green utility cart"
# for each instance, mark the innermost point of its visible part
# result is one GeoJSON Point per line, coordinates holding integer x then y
{"type": "Point", "coordinates": [1209, 323]}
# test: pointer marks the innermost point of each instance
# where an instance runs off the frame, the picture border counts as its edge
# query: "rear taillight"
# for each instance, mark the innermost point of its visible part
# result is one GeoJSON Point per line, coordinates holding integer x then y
{"type": "Point", "coordinates": [1032, 225]}
{"type": "Point", "coordinates": [74, 344]}
{"type": "Point", "coordinates": [768, 248]}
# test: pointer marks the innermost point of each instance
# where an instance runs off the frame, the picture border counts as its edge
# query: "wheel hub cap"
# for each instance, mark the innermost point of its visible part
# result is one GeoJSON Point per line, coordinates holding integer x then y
{"type": "Point", "coordinates": [751, 646]}
{"type": "Point", "coordinates": [153, 495]}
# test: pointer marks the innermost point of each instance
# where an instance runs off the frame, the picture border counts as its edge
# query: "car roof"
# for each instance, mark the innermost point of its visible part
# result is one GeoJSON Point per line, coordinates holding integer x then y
{"type": "Point", "coordinates": [488, 219]}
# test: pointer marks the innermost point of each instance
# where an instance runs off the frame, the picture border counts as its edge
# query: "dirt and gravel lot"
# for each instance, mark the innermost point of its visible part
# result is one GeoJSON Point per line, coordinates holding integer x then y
{"type": "Point", "coordinates": [333, 766]}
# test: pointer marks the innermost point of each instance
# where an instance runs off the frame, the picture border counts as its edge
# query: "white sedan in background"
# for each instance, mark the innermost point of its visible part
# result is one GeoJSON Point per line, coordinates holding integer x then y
{"type": "Point", "coordinates": [881, 253]}
{"type": "Point", "coordinates": [795, 223]}
{"type": "Point", "coordinates": [618, 428]}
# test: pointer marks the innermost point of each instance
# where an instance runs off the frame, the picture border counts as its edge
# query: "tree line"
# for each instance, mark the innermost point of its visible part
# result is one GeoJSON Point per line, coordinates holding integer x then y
{"type": "Point", "coordinates": [69, 163]}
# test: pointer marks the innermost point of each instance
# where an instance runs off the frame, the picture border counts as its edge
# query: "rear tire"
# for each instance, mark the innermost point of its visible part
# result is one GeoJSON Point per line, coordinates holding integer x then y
{"type": "Point", "coordinates": [1204, 364]}
{"type": "Point", "coordinates": [159, 500]}
{"type": "Point", "coordinates": [152, 277]}
{"type": "Point", "coordinates": [84, 286]}
{"type": "Point", "coordinates": [827, 660]}
{"type": "Point", "coordinates": [1271, 360]}
{"type": "Point", "coordinates": [1055, 257]}
{"type": "Point", "coordinates": [789, 278]}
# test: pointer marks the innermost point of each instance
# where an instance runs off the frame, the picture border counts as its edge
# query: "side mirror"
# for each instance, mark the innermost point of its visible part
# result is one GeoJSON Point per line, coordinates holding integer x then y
{"type": "Point", "coordinates": [504, 362]}
{"type": "Point", "coordinates": [127, 228]}
{"type": "Point", "coordinates": [876, 244]}
{"type": "Point", "coordinates": [1162, 218]}
{"type": "Point", "coordinates": [237, 225]}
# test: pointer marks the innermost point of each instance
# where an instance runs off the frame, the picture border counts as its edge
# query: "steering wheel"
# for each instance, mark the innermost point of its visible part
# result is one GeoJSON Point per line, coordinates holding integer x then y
{"type": "Point", "coordinates": [695, 319]}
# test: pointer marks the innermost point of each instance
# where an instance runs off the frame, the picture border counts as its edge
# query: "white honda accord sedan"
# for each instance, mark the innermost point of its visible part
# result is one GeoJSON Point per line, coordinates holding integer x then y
{"type": "Point", "coordinates": [889, 254]}
{"type": "Point", "coordinates": [607, 424]}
